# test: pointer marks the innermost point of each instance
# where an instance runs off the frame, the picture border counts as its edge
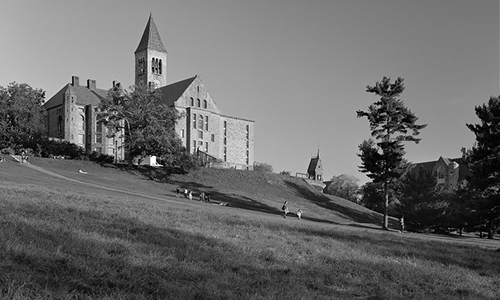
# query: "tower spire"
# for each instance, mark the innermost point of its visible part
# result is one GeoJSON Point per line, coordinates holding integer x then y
{"type": "Point", "coordinates": [151, 38]}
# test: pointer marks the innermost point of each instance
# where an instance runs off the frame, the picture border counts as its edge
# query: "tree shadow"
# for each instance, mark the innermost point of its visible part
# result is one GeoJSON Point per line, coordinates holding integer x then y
{"type": "Point", "coordinates": [321, 200]}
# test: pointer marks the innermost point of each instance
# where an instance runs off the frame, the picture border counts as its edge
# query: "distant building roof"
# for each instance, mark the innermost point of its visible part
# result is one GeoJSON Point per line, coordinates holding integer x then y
{"type": "Point", "coordinates": [151, 38]}
{"type": "Point", "coordinates": [84, 96]}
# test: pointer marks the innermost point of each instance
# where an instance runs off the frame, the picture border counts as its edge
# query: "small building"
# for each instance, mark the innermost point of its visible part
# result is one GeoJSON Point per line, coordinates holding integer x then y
{"type": "Point", "coordinates": [315, 169]}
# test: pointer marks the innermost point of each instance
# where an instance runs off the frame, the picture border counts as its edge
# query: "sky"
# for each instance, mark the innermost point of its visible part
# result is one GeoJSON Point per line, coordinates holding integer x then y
{"type": "Point", "coordinates": [298, 68]}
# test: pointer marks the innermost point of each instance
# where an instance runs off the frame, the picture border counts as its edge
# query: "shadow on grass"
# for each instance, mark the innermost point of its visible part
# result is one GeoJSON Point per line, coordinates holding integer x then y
{"type": "Point", "coordinates": [327, 203]}
{"type": "Point", "coordinates": [90, 254]}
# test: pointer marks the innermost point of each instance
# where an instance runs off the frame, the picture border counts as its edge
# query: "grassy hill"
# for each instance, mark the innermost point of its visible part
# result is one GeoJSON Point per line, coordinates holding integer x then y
{"type": "Point", "coordinates": [117, 234]}
{"type": "Point", "coordinates": [263, 192]}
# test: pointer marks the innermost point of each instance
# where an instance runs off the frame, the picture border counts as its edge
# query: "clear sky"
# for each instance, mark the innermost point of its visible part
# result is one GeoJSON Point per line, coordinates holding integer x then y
{"type": "Point", "coordinates": [298, 68]}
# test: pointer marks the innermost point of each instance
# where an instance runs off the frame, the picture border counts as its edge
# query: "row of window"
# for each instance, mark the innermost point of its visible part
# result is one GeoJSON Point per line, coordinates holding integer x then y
{"type": "Point", "coordinates": [198, 103]}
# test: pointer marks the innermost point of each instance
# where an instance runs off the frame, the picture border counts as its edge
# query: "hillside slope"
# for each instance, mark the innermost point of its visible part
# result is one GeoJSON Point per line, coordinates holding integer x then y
{"type": "Point", "coordinates": [248, 190]}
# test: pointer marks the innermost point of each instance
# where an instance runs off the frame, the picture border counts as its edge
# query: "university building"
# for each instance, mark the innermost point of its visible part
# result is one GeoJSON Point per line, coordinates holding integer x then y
{"type": "Point", "coordinates": [450, 173]}
{"type": "Point", "coordinates": [218, 139]}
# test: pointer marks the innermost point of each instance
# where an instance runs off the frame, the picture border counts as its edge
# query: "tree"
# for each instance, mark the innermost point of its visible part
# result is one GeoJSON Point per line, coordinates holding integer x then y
{"type": "Point", "coordinates": [149, 126]}
{"type": "Point", "coordinates": [262, 167]}
{"type": "Point", "coordinates": [390, 122]}
{"type": "Point", "coordinates": [344, 186]}
{"type": "Point", "coordinates": [372, 197]}
{"type": "Point", "coordinates": [484, 163]}
{"type": "Point", "coordinates": [21, 115]}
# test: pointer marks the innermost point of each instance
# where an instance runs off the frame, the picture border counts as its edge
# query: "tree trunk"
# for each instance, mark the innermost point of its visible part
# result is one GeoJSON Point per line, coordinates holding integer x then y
{"type": "Point", "coordinates": [490, 229]}
{"type": "Point", "coordinates": [386, 206]}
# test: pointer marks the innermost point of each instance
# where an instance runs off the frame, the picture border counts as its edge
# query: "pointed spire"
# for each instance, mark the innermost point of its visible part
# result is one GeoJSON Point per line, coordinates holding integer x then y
{"type": "Point", "coordinates": [151, 38]}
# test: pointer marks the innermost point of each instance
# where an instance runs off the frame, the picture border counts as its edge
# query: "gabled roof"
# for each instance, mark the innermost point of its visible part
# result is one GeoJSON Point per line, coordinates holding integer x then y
{"type": "Point", "coordinates": [429, 166]}
{"type": "Point", "coordinates": [173, 91]}
{"type": "Point", "coordinates": [84, 96]}
{"type": "Point", "coordinates": [314, 164]}
{"type": "Point", "coordinates": [151, 38]}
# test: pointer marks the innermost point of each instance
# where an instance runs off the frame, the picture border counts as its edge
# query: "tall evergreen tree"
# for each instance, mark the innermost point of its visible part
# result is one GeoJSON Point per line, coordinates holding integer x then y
{"type": "Point", "coordinates": [484, 163]}
{"type": "Point", "coordinates": [391, 124]}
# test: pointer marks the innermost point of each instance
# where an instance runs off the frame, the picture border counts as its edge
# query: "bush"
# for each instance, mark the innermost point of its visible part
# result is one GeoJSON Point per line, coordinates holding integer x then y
{"type": "Point", "coordinates": [8, 151]}
{"type": "Point", "coordinates": [59, 148]}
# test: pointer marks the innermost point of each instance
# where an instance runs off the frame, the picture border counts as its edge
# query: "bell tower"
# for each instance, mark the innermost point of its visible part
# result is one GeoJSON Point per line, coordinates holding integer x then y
{"type": "Point", "coordinates": [151, 58]}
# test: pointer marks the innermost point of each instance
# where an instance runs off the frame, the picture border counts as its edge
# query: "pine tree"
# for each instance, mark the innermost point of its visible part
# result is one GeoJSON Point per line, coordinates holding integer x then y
{"type": "Point", "coordinates": [484, 163]}
{"type": "Point", "coordinates": [390, 123]}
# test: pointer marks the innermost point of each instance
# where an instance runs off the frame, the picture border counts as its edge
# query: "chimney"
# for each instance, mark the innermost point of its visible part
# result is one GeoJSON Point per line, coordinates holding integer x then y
{"type": "Point", "coordinates": [91, 85]}
{"type": "Point", "coordinates": [75, 81]}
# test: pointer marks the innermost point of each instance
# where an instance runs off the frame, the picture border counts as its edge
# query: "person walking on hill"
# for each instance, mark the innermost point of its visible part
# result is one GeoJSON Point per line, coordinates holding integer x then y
{"type": "Point", "coordinates": [402, 224]}
{"type": "Point", "coordinates": [285, 208]}
{"type": "Point", "coordinates": [299, 214]}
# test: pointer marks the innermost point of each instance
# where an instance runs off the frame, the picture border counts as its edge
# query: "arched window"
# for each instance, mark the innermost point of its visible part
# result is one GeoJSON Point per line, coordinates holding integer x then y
{"type": "Point", "coordinates": [198, 102]}
{"type": "Point", "coordinates": [83, 122]}
{"type": "Point", "coordinates": [192, 101]}
{"type": "Point", "coordinates": [152, 65]}
{"type": "Point", "coordinates": [160, 66]}
{"type": "Point", "coordinates": [205, 104]}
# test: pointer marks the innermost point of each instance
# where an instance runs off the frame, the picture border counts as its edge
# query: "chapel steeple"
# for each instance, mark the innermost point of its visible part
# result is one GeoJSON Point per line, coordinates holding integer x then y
{"type": "Point", "coordinates": [151, 58]}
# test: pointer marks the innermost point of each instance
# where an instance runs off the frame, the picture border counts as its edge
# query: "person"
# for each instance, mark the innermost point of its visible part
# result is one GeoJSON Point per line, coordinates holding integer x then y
{"type": "Point", "coordinates": [285, 208]}
{"type": "Point", "coordinates": [81, 172]}
{"type": "Point", "coordinates": [190, 195]}
{"type": "Point", "coordinates": [185, 193]}
{"type": "Point", "coordinates": [24, 158]}
{"type": "Point", "coordinates": [177, 192]}
{"type": "Point", "coordinates": [207, 197]}
{"type": "Point", "coordinates": [299, 214]}
{"type": "Point", "coordinates": [202, 197]}
{"type": "Point", "coordinates": [402, 224]}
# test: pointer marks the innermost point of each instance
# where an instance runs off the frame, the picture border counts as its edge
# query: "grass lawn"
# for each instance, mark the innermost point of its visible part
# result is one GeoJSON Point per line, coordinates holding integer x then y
{"type": "Point", "coordinates": [62, 239]}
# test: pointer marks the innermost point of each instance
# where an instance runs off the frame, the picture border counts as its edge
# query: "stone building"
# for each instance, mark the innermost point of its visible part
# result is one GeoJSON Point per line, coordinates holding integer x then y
{"type": "Point", "coordinates": [449, 172]}
{"type": "Point", "coordinates": [218, 139]}
{"type": "Point", "coordinates": [315, 169]}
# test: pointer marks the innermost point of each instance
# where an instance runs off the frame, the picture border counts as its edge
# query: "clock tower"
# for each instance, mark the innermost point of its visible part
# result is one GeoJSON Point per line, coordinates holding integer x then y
{"type": "Point", "coordinates": [151, 58]}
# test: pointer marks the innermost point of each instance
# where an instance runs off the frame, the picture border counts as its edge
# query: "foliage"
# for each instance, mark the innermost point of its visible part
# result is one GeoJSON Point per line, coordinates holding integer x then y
{"type": "Point", "coordinates": [285, 172]}
{"type": "Point", "coordinates": [345, 186]}
{"type": "Point", "coordinates": [372, 197]}
{"type": "Point", "coordinates": [483, 161]}
{"type": "Point", "coordinates": [21, 115]}
{"type": "Point", "coordinates": [148, 125]}
{"type": "Point", "coordinates": [390, 122]}
{"type": "Point", "coordinates": [262, 167]}
{"type": "Point", "coordinates": [53, 147]}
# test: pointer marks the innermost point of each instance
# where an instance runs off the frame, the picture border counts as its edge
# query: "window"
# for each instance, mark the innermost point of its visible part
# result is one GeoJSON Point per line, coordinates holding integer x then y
{"type": "Point", "coordinates": [192, 101]}
{"type": "Point", "coordinates": [200, 122]}
{"type": "Point", "coordinates": [225, 141]}
{"type": "Point", "coordinates": [194, 146]}
{"type": "Point", "coordinates": [248, 144]}
{"type": "Point", "coordinates": [80, 139]}
{"type": "Point", "coordinates": [225, 128]}
{"type": "Point", "coordinates": [200, 134]}
{"type": "Point", "coordinates": [205, 104]}
{"type": "Point", "coordinates": [206, 146]}
{"type": "Point", "coordinates": [98, 127]}
{"type": "Point", "coordinates": [198, 102]}
{"type": "Point", "coordinates": [98, 138]}
{"type": "Point", "coordinates": [182, 133]}
{"type": "Point", "coordinates": [194, 120]}
{"type": "Point", "coordinates": [59, 125]}
{"type": "Point", "coordinates": [83, 122]}
{"type": "Point", "coordinates": [247, 157]}
{"type": "Point", "coordinates": [225, 154]}
{"type": "Point", "coordinates": [206, 123]}
{"type": "Point", "coordinates": [248, 132]}
{"type": "Point", "coordinates": [213, 138]}
{"type": "Point", "coordinates": [159, 66]}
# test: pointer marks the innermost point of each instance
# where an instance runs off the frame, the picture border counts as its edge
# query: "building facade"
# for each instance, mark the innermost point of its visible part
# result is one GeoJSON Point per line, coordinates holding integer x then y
{"type": "Point", "coordinates": [218, 139]}
{"type": "Point", "coordinates": [450, 173]}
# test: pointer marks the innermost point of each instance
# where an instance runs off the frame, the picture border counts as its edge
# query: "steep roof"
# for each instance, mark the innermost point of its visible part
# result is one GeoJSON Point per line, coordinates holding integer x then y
{"type": "Point", "coordinates": [173, 91]}
{"type": "Point", "coordinates": [151, 38]}
{"type": "Point", "coordinates": [84, 96]}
